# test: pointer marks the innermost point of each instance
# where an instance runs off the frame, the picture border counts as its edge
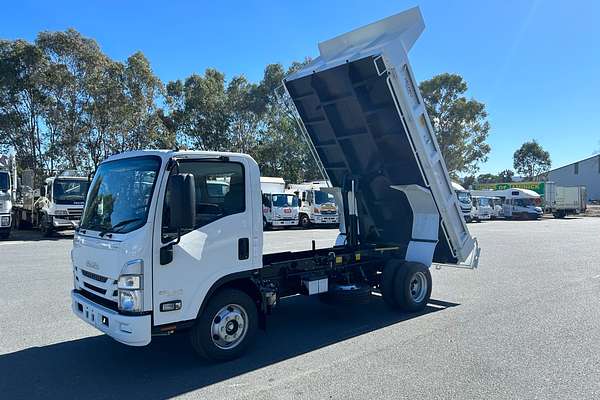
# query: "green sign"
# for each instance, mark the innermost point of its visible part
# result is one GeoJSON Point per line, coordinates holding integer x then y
{"type": "Point", "coordinates": [537, 187]}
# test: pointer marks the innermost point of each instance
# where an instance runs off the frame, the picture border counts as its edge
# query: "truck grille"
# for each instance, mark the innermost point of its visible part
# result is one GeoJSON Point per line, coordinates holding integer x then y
{"type": "Point", "coordinates": [97, 285]}
{"type": "Point", "coordinates": [75, 211]}
{"type": "Point", "coordinates": [94, 288]}
{"type": "Point", "coordinates": [94, 276]}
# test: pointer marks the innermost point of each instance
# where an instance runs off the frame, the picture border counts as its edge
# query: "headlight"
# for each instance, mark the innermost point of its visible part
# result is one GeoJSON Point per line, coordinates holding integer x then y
{"type": "Point", "coordinates": [130, 300]}
{"type": "Point", "coordinates": [316, 210]}
{"type": "Point", "coordinates": [5, 221]}
{"type": "Point", "coordinates": [130, 282]}
{"type": "Point", "coordinates": [60, 212]}
{"type": "Point", "coordinates": [130, 286]}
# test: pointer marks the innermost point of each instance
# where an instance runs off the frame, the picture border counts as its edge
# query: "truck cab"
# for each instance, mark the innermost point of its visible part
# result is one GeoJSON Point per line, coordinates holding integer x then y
{"type": "Point", "coordinates": [62, 206]}
{"type": "Point", "coordinates": [464, 200]}
{"type": "Point", "coordinates": [5, 204]}
{"type": "Point", "coordinates": [482, 208]}
{"type": "Point", "coordinates": [317, 206]}
{"type": "Point", "coordinates": [280, 207]}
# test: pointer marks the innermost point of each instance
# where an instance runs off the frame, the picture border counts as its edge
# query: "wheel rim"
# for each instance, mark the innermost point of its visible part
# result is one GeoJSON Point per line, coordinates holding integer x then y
{"type": "Point", "coordinates": [305, 220]}
{"type": "Point", "coordinates": [229, 326]}
{"type": "Point", "coordinates": [418, 287]}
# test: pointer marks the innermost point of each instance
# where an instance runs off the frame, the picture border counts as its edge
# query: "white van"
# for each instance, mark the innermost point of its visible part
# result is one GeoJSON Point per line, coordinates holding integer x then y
{"type": "Point", "coordinates": [520, 203]}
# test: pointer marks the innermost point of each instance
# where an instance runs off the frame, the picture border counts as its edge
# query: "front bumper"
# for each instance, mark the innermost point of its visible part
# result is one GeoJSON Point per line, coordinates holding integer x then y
{"type": "Point", "coordinates": [325, 219]}
{"type": "Point", "coordinates": [59, 222]}
{"type": "Point", "coordinates": [485, 216]}
{"type": "Point", "coordinates": [285, 222]}
{"type": "Point", "coordinates": [130, 330]}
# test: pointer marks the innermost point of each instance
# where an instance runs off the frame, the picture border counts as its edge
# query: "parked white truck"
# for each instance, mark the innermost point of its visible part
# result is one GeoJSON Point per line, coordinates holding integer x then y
{"type": "Point", "coordinates": [561, 201]}
{"type": "Point", "coordinates": [317, 206]}
{"type": "Point", "coordinates": [280, 207]}
{"type": "Point", "coordinates": [58, 205]}
{"type": "Point", "coordinates": [6, 199]}
{"type": "Point", "coordinates": [155, 255]}
{"type": "Point", "coordinates": [464, 200]}
{"type": "Point", "coordinates": [482, 208]}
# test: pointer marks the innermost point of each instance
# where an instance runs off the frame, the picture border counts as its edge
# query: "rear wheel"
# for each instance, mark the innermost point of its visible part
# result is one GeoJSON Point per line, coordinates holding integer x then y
{"type": "Point", "coordinates": [226, 326]}
{"type": "Point", "coordinates": [412, 286]}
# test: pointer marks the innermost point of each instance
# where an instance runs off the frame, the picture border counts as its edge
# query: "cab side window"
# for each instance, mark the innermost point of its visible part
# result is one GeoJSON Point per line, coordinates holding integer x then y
{"type": "Point", "coordinates": [220, 190]}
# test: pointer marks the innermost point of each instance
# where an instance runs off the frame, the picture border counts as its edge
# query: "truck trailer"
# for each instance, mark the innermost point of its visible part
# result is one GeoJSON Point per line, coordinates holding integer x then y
{"type": "Point", "coordinates": [155, 255]}
{"type": "Point", "coordinates": [561, 201]}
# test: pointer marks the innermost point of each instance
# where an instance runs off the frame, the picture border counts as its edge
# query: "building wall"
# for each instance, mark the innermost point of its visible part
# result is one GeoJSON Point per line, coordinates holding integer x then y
{"type": "Point", "coordinates": [588, 175]}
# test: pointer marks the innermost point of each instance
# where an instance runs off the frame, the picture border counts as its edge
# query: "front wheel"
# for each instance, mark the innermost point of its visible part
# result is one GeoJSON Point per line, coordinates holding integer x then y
{"type": "Point", "coordinates": [304, 221]}
{"type": "Point", "coordinates": [226, 326]}
{"type": "Point", "coordinates": [45, 226]}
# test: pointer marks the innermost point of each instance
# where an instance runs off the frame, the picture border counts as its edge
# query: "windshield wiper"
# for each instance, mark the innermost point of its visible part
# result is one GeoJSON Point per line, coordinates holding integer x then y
{"type": "Point", "coordinates": [120, 224]}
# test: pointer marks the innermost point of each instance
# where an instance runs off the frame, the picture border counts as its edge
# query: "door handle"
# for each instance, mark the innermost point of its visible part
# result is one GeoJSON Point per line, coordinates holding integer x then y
{"type": "Point", "coordinates": [243, 248]}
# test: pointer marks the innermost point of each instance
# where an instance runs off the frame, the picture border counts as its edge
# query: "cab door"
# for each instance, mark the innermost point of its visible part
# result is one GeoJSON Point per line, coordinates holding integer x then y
{"type": "Point", "coordinates": [220, 244]}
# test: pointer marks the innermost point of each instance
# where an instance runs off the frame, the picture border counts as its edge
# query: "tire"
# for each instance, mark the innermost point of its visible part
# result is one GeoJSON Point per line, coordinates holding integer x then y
{"type": "Point", "coordinates": [387, 282]}
{"type": "Point", "coordinates": [304, 221]}
{"type": "Point", "coordinates": [412, 287]}
{"type": "Point", "coordinates": [45, 226]}
{"type": "Point", "coordinates": [225, 312]}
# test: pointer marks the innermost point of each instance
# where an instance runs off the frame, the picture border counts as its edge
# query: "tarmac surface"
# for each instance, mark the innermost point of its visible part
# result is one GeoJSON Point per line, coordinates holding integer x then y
{"type": "Point", "coordinates": [525, 325]}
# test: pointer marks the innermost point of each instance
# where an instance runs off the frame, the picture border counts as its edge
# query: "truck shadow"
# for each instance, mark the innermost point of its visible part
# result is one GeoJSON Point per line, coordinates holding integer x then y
{"type": "Point", "coordinates": [36, 236]}
{"type": "Point", "coordinates": [98, 367]}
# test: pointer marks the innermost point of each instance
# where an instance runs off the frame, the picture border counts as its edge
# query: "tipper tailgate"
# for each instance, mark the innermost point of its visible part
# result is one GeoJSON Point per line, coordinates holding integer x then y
{"type": "Point", "coordinates": [362, 110]}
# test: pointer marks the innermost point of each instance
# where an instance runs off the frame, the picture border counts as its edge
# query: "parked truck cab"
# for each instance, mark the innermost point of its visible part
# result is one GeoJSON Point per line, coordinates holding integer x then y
{"type": "Point", "coordinates": [464, 200]}
{"type": "Point", "coordinates": [5, 204]}
{"type": "Point", "coordinates": [482, 208]}
{"type": "Point", "coordinates": [317, 207]}
{"type": "Point", "coordinates": [62, 206]}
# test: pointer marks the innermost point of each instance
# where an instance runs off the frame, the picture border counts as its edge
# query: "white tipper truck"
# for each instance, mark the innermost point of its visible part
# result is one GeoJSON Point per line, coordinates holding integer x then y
{"type": "Point", "coordinates": [280, 207]}
{"type": "Point", "coordinates": [155, 254]}
{"type": "Point", "coordinates": [317, 205]}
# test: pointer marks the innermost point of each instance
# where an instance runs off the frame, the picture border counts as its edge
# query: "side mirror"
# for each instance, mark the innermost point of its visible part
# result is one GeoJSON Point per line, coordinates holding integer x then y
{"type": "Point", "coordinates": [182, 202]}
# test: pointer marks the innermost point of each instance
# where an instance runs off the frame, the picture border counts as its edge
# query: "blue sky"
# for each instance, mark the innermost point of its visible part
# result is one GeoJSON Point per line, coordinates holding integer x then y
{"type": "Point", "coordinates": [534, 63]}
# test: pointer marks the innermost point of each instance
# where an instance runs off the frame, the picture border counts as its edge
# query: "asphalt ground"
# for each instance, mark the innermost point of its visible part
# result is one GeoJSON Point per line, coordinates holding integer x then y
{"type": "Point", "coordinates": [525, 325]}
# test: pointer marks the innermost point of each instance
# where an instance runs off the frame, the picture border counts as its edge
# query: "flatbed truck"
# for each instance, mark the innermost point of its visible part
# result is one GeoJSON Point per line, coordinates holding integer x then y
{"type": "Point", "coordinates": [155, 255]}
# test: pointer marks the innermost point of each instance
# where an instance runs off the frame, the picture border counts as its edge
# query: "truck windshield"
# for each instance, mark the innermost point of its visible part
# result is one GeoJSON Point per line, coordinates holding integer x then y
{"type": "Point", "coordinates": [322, 197]}
{"type": "Point", "coordinates": [284, 200]}
{"type": "Point", "coordinates": [69, 191]}
{"type": "Point", "coordinates": [464, 197]}
{"type": "Point", "coordinates": [4, 181]}
{"type": "Point", "coordinates": [120, 195]}
{"type": "Point", "coordinates": [484, 201]}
